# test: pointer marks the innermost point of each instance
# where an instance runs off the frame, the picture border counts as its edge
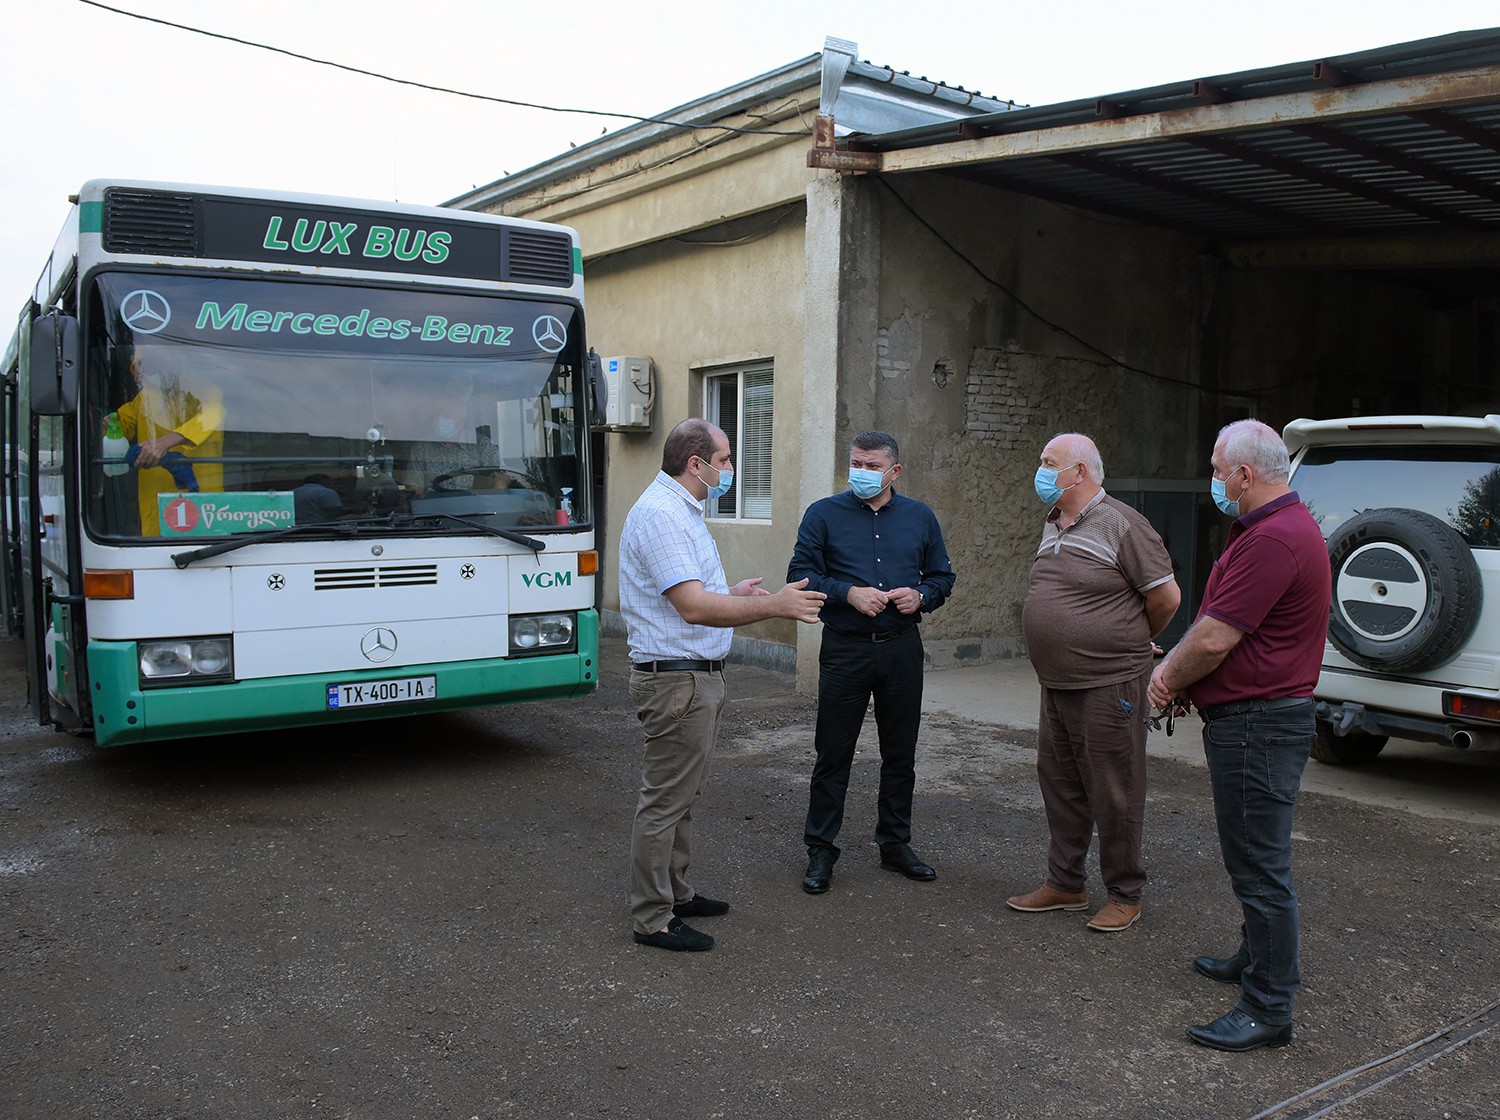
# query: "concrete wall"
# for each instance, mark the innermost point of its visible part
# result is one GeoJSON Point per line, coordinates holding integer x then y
{"type": "Point", "coordinates": [696, 308]}
{"type": "Point", "coordinates": [976, 353]}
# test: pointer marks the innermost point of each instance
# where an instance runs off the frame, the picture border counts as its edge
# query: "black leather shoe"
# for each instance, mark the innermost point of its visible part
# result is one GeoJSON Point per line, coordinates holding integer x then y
{"type": "Point", "coordinates": [678, 936]}
{"type": "Point", "coordinates": [1237, 1032]}
{"type": "Point", "coordinates": [700, 907]}
{"type": "Point", "coordinates": [1224, 971]}
{"type": "Point", "coordinates": [900, 857]}
{"type": "Point", "coordinates": [819, 875]}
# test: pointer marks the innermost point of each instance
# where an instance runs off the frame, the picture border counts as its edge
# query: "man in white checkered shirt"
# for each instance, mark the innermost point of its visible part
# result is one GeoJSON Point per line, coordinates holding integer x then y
{"type": "Point", "coordinates": [680, 613]}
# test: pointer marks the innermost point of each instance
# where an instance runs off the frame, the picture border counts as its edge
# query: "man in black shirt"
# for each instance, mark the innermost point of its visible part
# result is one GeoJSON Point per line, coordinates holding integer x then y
{"type": "Point", "coordinates": [880, 559]}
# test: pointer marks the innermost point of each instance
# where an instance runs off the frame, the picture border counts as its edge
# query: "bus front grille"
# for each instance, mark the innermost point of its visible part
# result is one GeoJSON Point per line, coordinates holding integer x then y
{"type": "Point", "coordinates": [538, 258]}
{"type": "Point", "coordinates": [385, 575]}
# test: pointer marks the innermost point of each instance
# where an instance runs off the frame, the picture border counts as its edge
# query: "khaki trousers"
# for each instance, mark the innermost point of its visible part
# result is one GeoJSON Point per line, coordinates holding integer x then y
{"type": "Point", "coordinates": [679, 713]}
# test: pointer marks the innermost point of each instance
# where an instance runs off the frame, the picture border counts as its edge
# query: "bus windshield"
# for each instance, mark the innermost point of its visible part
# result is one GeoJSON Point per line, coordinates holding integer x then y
{"type": "Point", "coordinates": [220, 405]}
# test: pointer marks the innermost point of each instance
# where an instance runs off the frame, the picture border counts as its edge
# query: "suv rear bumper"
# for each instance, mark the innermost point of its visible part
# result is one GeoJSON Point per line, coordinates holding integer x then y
{"type": "Point", "coordinates": [1348, 716]}
{"type": "Point", "coordinates": [1353, 702]}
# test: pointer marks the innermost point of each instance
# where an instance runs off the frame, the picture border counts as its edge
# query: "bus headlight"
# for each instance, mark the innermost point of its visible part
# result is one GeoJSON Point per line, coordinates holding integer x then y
{"type": "Point", "coordinates": [186, 661]}
{"type": "Point", "coordinates": [211, 657]}
{"type": "Point", "coordinates": [541, 633]}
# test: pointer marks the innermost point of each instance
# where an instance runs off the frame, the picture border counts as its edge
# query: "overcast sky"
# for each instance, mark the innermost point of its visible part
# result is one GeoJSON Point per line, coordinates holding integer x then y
{"type": "Point", "coordinates": [89, 93]}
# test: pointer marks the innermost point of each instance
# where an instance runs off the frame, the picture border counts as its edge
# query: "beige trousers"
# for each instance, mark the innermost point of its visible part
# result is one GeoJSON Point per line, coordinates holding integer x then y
{"type": "Point", "coordinates": [679, 713]}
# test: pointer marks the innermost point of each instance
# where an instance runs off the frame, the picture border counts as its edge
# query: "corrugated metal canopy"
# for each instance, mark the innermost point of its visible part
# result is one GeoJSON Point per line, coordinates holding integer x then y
{"type": "Point", "coordinates": [1398, 142]}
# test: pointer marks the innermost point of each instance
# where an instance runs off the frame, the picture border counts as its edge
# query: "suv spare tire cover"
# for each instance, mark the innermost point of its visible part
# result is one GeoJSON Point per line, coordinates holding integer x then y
{"type": "Point", "coordinates": [1406, 590]}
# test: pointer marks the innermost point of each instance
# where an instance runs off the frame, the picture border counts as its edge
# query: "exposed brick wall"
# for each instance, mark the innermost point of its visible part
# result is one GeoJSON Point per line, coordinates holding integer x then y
{"type": "Point", "coordinates": [1002, 407]}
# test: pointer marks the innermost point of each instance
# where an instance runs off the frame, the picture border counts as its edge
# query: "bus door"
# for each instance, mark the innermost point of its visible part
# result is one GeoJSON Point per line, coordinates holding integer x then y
{"type": "Point", "coordinates": [10, 510]}
{"type": "Point", "coordinates": [54, 626]}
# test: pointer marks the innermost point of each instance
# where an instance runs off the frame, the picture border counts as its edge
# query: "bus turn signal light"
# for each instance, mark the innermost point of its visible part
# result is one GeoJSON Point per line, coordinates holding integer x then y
{"type": "Point", "coordinates": [109, 585]}
{"type": "Point", "coordinates": [588, 563]}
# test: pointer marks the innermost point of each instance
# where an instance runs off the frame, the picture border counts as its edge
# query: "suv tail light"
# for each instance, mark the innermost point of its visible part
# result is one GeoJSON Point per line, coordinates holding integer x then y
{"type": "Point", "coordinates": [1471, 707]}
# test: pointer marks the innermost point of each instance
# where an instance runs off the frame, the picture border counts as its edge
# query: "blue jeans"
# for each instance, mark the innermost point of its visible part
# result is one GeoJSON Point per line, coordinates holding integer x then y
{"type": "Point", "coordinates": [1255, 761]}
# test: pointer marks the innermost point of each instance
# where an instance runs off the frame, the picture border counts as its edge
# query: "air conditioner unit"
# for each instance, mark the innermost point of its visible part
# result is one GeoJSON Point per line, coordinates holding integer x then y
{"type": "Point", "coordinates": [631, 394]}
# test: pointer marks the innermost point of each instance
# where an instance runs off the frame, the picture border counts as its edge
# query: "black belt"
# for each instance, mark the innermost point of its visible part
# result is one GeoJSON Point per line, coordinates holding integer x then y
{"type": "Point", "coordinates": [678, 666]}
{"type": "Point", "coordinates": [1240, 707]}
{"type": "Point", "coordinates": [875, 636]}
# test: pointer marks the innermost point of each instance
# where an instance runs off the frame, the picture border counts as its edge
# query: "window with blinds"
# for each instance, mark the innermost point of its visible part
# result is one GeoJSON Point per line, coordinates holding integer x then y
{"type": "Point", "coordinates": [741, 402]}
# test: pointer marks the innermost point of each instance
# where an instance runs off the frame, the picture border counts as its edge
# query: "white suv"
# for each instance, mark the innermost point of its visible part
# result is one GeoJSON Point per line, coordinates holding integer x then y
{"type": "Point", "coordinates": [1410, 508]}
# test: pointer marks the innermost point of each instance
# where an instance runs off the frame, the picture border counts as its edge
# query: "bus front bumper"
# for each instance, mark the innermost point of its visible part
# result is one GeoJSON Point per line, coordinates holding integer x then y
{"type": "Point", "coordinates": [123, 712]}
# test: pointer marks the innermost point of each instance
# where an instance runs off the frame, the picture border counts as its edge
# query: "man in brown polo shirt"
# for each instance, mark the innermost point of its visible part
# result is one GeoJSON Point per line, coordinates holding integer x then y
{"type": "Point", "coordinates": [1101, 589]}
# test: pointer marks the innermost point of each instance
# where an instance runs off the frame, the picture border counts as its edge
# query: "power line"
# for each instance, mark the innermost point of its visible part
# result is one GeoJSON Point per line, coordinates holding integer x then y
{"type": "Point", "coordinates": [1258, 392]}
{"type": "Point", "coordinates": [435, 89]}
{"type": "Point", "coordinates": [1024, 306]}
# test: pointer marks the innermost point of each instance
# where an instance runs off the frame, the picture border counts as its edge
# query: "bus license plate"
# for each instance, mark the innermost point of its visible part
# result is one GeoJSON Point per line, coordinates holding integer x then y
{"type": "Point", "coordinates": [365, 693]}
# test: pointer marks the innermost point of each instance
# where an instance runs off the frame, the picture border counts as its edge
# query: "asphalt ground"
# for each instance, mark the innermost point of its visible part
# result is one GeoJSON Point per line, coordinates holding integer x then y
{"type": "Point", "coordinates": [427, 918]}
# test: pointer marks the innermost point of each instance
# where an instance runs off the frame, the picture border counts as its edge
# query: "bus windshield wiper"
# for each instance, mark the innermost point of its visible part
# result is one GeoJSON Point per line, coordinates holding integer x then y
{"type": "Point", "coordinates": [515, 538]}
{"type": "Point", "coordinates": [320, 528]}
{"type": "Point", "coordinates": [350, 528]}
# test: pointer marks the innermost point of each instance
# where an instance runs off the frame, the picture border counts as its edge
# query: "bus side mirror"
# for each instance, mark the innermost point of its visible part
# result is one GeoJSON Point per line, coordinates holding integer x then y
{"type": "Point", "coordinates": [54, 364]}
{"type": "Point", "coordinates": [598, 392]}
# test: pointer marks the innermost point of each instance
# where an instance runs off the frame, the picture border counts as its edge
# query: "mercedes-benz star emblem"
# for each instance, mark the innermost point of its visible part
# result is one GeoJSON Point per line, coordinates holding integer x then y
{"type": "Point", "coordinates": [276, 581]}
{"type": "Point", "coordinates": [379, 644]}
{"type": "Point", "coordinates": [549, 333]}
{"type": "Point", "coordinates": [147, 312]}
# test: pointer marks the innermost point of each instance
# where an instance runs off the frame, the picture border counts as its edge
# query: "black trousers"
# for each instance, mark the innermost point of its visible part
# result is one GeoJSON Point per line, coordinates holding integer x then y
{"type": "Point", "coordinates": [851, 671]}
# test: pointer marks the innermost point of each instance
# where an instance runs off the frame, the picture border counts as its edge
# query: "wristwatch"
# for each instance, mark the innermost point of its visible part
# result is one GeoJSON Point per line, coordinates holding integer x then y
{"type": "Point", "coordinates": [921, 598]}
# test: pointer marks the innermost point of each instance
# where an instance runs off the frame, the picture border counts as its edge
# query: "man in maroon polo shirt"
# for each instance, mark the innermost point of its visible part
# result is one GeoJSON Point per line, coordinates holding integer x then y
{"type": "Point", "coordinates": [1249, 663]}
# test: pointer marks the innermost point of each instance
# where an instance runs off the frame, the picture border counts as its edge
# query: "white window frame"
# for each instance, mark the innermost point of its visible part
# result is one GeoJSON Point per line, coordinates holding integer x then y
{"type": "Point", "coordinates": [749, 500]}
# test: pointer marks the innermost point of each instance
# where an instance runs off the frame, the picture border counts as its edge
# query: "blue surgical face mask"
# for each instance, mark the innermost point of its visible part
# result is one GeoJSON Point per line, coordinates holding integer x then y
{"type": "Point", "coordinates": [720, 488]}
{"type": "Point", "coordinates": [866, 484]}
{"type": "Point", "coordinates": [1046, 485]}
{"type": "Point", "coordinates": [1216, 487]}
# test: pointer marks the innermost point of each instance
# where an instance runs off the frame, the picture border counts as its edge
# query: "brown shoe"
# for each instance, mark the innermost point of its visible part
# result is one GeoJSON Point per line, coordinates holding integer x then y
{"type": "Point", "coordinates": [1114, 916]}
{"type": "Point", "coordinates": [1048, 897]}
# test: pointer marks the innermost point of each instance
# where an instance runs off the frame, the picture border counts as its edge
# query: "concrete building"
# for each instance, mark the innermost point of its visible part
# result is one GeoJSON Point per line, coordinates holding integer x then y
{"type": "Point", "coordinates": [836, 246]}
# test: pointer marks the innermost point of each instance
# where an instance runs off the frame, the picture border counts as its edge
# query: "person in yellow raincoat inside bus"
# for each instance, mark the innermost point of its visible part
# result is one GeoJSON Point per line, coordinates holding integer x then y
{"type": "Point", "coordinates": [169, 429]}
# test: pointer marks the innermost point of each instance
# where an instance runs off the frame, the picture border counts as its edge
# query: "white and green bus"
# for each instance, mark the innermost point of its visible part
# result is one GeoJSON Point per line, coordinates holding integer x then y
{"type": "Point", "coordinates": [280, 460]}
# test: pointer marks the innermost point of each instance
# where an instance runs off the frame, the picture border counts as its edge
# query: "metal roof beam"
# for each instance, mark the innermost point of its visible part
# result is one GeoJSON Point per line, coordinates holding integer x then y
{"type": "Point", "coordinates": [1112, 207]}
{"type": "Point", "coordinates": [1346, 185]}
{"type": "Point", "coordinates": [1427, 250]}
{"type": "Point", "coordinates": [1188, 190]}
{"type": "Point", "coordinates": [1432, 91]}
{"type": "Point", "coordinates": [1457, 126]}
{"type": "Point", "coordinates": [1392, 157]}
{"type": "Point", "coordinates": [1343, 184]}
